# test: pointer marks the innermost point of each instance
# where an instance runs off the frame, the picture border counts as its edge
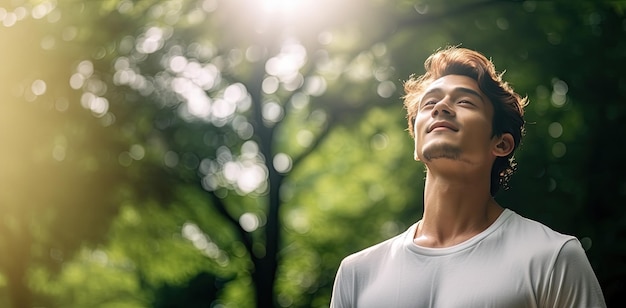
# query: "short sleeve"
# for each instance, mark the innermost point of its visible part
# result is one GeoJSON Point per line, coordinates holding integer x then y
{"type": "Point", "coordinates": [342, 288]}
{"type": "Point", "coordinates": [572, 282]}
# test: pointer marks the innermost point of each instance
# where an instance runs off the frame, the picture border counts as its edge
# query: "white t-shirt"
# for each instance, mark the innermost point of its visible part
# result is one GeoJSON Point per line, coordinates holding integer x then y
{"type": "Point", "coordinates": [516, 262]}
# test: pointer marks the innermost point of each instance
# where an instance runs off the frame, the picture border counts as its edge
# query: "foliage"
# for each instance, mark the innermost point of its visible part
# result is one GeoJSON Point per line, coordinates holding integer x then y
{"type": "Point", "coordinates": [156, 148]}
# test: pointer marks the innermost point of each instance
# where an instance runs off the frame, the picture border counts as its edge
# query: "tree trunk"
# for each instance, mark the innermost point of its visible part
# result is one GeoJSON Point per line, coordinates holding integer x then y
{"type": "Point", "coordinates": [17, 261]}
{"type": "Point", "coordinates": [264, 277]}
{"type": "Point", "coordinates": [265, 266]}
{"type": "Point", "coordinates": [20, 296]}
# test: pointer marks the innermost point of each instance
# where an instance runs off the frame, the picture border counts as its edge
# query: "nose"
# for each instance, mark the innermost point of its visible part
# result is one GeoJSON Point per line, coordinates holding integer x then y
{"type": "Point", "coordinates": [443, 108]}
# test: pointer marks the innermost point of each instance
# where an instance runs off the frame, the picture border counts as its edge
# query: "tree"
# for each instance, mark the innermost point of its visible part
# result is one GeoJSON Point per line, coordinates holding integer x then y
{"type": "Point", "coordinates": [253, 153]}
{"type": "Point", "coordinates": [52, 169]}
{"type": "Point", "coordinates": [159, 65]}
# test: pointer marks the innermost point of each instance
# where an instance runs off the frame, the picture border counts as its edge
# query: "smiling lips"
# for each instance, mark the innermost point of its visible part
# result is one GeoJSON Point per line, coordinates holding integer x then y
{"type": "Point", "coordinates": [442, 125]}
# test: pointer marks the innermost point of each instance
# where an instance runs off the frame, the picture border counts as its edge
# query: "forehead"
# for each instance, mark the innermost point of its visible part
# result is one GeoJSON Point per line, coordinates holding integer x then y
{"type": "Point", "coordinates": [451, 83]}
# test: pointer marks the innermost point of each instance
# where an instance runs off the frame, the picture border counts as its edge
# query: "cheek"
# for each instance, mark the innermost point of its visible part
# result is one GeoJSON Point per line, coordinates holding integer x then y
{"type": "Point", "coordinates": [418, 130]}
{"type": "Point", "coordinates": [416, 146]}
{"type": "Point", "coordinates": [418, 123]}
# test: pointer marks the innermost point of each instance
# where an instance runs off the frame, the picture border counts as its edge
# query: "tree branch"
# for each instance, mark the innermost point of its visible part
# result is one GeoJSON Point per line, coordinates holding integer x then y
{"type": "Point", "coordinates": [426, 19]}
{"type": "Point", "coordinates": [325, 132]}
{"type": "Point", "coordinates": [220, 206]}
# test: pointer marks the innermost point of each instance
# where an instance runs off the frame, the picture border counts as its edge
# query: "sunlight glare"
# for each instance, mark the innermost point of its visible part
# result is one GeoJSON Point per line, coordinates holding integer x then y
{"type": "Point", "coordinates": [280, 5]}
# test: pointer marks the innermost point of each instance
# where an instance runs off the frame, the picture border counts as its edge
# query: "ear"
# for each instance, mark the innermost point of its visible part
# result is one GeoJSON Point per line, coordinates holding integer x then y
{"type": "Point", "coordinates": [504, 145]}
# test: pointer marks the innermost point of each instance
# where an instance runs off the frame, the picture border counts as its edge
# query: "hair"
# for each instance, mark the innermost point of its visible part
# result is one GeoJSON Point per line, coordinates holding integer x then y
{"type": "Point", "coordinates": [508, 106]}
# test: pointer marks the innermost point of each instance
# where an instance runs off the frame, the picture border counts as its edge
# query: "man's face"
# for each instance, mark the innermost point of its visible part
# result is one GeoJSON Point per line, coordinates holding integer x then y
{"type": "Point", "coordinates": [454, 122]}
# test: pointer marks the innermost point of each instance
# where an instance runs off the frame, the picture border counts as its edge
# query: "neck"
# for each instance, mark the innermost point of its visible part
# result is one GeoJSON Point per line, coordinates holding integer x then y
{"type": "Point", "coordinates": [455, 209]}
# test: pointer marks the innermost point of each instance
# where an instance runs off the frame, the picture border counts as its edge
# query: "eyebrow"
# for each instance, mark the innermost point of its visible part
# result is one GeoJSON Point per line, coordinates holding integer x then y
{"type": "Point", "coordinates": [456, 89]}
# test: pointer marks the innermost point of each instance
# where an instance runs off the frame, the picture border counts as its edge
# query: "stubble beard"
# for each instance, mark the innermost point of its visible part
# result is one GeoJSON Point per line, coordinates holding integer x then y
{"type": "Point", "coordinates": [442, 151]}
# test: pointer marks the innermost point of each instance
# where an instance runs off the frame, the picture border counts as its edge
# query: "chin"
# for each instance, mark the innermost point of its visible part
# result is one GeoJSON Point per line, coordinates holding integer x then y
{"type": "Point", "coordinates": [443, 151]}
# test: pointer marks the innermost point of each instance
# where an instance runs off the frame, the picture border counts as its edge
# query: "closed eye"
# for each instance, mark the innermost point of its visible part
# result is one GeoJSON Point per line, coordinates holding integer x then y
{"type": "Point", "coordinates": [466, 102]}
{"type": "Point", "coordinates": [429, 103]}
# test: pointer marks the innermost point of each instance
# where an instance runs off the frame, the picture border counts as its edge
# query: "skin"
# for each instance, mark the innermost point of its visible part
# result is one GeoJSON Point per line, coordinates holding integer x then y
{"type": "Point", "coordinates": [453, 129]}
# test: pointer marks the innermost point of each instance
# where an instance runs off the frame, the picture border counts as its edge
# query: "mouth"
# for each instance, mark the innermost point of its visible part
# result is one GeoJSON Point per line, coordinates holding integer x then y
{"type": "Point", "coordinates": [439, 126]}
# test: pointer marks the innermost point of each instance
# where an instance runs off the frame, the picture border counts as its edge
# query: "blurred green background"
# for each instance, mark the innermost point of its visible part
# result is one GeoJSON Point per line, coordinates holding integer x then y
{"type": "Point", "coordinates": [229, 153]}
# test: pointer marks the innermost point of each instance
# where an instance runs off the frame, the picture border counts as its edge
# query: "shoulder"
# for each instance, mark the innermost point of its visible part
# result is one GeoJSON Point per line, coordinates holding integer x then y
{"type": "Point", "coordinates": [531, 230]}
{"type": "Point", "coordinates": [359, 267]}
{"type": "Point", "coordinates": [572, 281]}
{"type": "Point", "coordinates": [373, 253]}
{"type": "Point", "coordinates": [556, 262]}
{"type": "Point", "coordinates": [532, 243]}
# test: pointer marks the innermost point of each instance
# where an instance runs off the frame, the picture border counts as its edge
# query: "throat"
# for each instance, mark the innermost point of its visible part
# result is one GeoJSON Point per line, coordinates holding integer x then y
{"type": "Point", "coordinates": [443, 241]}
{"type": "Point", "coordinates": [440, 229]}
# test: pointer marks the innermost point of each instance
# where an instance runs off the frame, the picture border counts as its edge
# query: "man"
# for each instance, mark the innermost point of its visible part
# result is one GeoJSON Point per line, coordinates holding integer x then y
{"type": "Point", "coordinates": [467, 250]}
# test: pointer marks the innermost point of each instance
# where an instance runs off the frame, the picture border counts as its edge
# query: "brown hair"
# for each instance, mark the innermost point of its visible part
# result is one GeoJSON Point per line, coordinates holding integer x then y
{"type": "Point", "coordinates": [508, 106]}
